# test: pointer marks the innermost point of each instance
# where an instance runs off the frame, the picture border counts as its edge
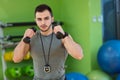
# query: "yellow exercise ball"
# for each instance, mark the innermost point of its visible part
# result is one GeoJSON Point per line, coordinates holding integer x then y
{"type": "Point", "coordinates": [8, 56]}
{"type": "Point", "coordinates": [27, 57]}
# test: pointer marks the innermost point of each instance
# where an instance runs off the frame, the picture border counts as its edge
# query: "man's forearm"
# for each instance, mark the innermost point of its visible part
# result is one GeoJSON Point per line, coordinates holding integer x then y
{"type": "Point", "coordinates": [73, 48]}
{"type": "Point", "coordinates": [20, 51]}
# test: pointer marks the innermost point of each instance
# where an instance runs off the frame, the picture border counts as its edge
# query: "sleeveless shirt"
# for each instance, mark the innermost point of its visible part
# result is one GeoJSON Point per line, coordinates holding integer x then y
{"type": "Point", "coordinates": [57, 57]}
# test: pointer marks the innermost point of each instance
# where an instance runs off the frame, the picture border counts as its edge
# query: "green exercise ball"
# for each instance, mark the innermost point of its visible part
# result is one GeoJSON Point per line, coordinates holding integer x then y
{"type": "Point", "coordinates": [98, 75]}
{"type": "Point", "coordinates": [13, 72]}
{"type": "Point", "coordinates": [28, 71]}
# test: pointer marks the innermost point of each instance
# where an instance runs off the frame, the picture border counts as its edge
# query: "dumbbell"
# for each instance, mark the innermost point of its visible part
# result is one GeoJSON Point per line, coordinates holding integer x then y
{"type": "Point", "coordinates": [27, 39]}
{"type": "Point", "coordinates": [59, 35]}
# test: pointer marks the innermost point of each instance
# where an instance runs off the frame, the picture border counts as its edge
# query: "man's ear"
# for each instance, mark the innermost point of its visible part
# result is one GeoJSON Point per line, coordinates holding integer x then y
{"type": "Point", "coordinates": [52, 19]}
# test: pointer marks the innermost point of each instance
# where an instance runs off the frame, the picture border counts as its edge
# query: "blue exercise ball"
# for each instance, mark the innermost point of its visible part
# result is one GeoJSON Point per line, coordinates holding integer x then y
{"type": "Point", "coordinates": [75, 76]}
{"type": "Point", "coordinates": [118, 77]}
{"type": "Point", "coordinates": [109, 57]}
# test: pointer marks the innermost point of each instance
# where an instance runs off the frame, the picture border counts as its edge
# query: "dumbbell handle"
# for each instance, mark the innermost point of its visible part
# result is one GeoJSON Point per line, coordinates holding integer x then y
{"type": "Point", "coordinates": [27, 39]}
{"type": "Point", "coordinates": [59, 35]}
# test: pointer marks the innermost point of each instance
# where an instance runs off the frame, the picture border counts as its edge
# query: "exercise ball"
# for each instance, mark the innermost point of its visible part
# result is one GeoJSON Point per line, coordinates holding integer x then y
{"type": "Point", "coordinates": [98, 75]}
{"type": "Point", "coordinates": [75, 76]}
{"type": "Point", "coordinates": [118, 77]}
{"type": "Point", "coordinates": [8, 56]}
{"type": "Point", "coordinates": [27, 57]}
{"type": "Point", "coordinates": [109, 57]}
{"type": "Point", "coordinates": [13, 73]}
{"type": "Point", "coordinates": [28, 71]}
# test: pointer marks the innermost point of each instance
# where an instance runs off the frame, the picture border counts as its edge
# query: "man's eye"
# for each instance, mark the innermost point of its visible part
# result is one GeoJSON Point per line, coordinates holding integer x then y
{"type": "Point", "coordinates": [47, 18]}
{"type": "Point", "coordinates": [39, 19]}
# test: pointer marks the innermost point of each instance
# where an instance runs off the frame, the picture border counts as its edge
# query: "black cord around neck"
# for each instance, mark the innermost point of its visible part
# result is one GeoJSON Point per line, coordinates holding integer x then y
{"type": "Point", "coordinates": [43, 49]}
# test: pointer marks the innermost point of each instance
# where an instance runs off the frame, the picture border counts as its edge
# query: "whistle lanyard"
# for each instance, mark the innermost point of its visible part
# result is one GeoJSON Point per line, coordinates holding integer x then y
{"type": "Point", "coordinates": [46, 58]}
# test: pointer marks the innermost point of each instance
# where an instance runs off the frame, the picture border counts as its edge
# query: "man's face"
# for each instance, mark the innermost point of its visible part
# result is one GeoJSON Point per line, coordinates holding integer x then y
{"type": "Point", "coordinates": [43, 20]}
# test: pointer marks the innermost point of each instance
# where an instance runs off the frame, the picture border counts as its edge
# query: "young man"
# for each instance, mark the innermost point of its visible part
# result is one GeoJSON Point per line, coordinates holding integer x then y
{"type": "Point", "coordinates": [48, 52]}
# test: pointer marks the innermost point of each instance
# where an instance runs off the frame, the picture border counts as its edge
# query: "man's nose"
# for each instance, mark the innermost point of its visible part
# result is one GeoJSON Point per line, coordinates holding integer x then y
{"type": "Point", "coordinates": [43, 22]}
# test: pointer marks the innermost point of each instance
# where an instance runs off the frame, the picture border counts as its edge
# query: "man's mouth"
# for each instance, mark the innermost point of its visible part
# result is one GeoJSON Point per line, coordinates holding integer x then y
{"type": "Point", "coordinates": [43, 26]}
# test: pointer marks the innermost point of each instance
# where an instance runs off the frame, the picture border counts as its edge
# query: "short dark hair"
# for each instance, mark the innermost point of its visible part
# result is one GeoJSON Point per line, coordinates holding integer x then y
{"type": "Point", "coordinates": [43, 7]}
